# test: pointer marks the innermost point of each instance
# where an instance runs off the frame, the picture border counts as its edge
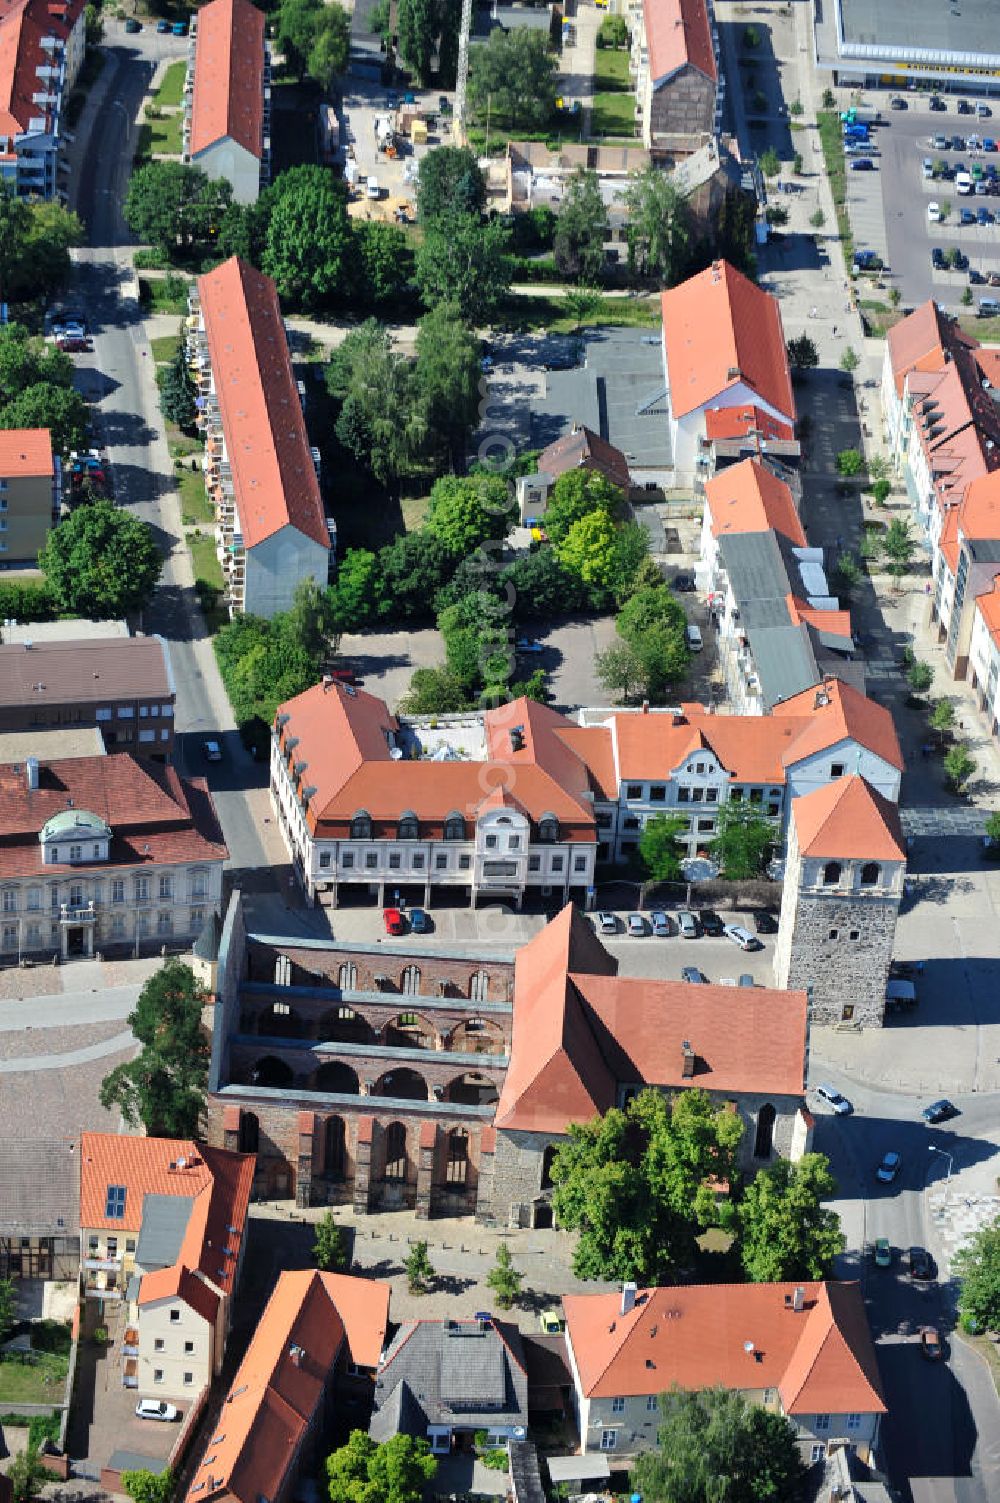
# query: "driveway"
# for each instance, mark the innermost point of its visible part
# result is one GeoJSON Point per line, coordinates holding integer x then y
{"type": "Point", "coordinates": [103, 1418]}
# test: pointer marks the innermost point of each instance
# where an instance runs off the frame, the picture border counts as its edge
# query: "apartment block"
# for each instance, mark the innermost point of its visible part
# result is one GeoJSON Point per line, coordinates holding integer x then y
{"type": "Point", "coordinates": [41, 50]}
{"type": "Point", "coordinates": [122, 685]}
{"type": "Point", "coordinates": [262, 476]}
{"type": "Point", "coordinates": [679, 84]}
{"type": "Point", "coordinates": [30, 494]}
{"type": "Point", "coordinates": [227, 97]}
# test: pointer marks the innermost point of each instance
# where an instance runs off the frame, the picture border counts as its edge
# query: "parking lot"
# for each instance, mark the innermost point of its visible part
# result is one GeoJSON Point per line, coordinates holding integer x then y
{"type": "Point", "coordinates": [888, 206]}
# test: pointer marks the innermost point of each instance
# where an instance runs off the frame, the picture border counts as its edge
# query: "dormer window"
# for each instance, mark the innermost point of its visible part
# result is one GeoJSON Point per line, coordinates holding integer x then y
{"type": "Point", "coordinates": [548, 829]}
{"type": "Point", "coordinates": [361, 825]}
{"type": "Point", "coordinates": [454, 827]}
{"type": "Point", "coordinates": [408, 827]}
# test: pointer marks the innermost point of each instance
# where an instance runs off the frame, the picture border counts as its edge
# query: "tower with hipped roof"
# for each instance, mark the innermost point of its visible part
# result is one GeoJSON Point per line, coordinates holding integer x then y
{"type": "Point", "coordinates": [844, 870]}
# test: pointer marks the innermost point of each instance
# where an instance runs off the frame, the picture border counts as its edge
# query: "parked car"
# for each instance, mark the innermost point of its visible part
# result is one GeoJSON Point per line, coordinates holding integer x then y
{"type": "Point", "coordinates": [420, 921]}
{"type": "Point", "coordinates": [660, 923]}
{"type": "Point", "coordinates": [833, 1097]}
{"type": "Point", "coordinates": [688, 925]}
{"type": "Point", "coordinates": [131, 27]}
{"type": "Point", "coordinates": [727, 981]}
{"type": "Point", "coordinates": [162, 26]}
{"type": "Point", "coordinates": [937, 103]}
{"type": "Point", "coordinates": [692, 973]}
{"type": "Point", "coordinates": [888, 1168]}
{"type": "Point", "coordinates": [976, 278]}
{"type": "Point", "coordinates": [964, 107]}
{"type": "Point", "coordinates": [863, 164]}
{"type": "Point", "coordinates": [989, 144]}
{"type": "Point", "coordinates": [683, 583]}
{"type": "Point", "coordinates": [746, 979]}
{"type": "Point", "coordinates": [966, 216]}
{"type": "Point", "coordinates": [636, 925]}
{"type": "Point", "coordinates": [983, 216]}
{"type": "Point", "coordinates": [711, 923]}
{"type": "Point", "coordinates": [179, 29]}
{"type": "Point", "coordinates": [883, 1252]}
{"type": "Point", "coordinates": [940, 143]}
{"type": "Point", "coordinates": [394, 921]}
{"type": "Point", "coordinates": [156, 1409]}
{"type": "Point", "coordinates": [866, 260]}
{"type": "Point", "coordinates": [764, 922]}
{"type": "Point", "coordinates": [741, 936]}
{"type": "Point", "coordinates": [551, 1323]}
{"type": "Point", "coordinates": [607, 923]}
{"type": "Point", "coordinates": [930, 1343]}
{"type": "Point", "coordinates": [938, 261]}
{"type": "Point", "coordinates": [963, 182]}
{"type": "Point", "coordinates": [528, 645]}
{"type": "Point", "coordinates": [959, 260]}
{"type": "Point", "coordinates": [898, 103]}
{"type": "Point", "coordinates": [212, 750]}
{"type": "Point", "coordinates": [957, 143]}
{"type": "Point", "coordinates": [920, 1264]}
{"type": "Point", "coordinates": [934, 212]}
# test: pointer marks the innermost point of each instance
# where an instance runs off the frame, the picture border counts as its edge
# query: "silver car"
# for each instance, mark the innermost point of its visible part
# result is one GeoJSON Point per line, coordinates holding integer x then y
{"type": "Point", "coordinates": [636, 925]}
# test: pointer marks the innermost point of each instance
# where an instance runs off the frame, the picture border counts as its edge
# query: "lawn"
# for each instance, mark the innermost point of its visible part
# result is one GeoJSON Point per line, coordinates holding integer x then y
{"type": "Point", "coordinates": [557, 314]}
{"type": "Point", "coordinates": [208, 580]}
{"type": "Point", "coordinates": [832, 139]}
{"type": "Point", "coordinates": [164, 294]}
{"type": "Point", "coordinates": [39, 1382]}
{"type": "Point", "coordinates": [171, 90]}
{"type": "Point", "coordinates": [195, 505]}
{"type": "Point", "coordinates": [164, 347]}
{"type": "Point", "coordinates": [613, 115]}
{"type": "Point", "coordinates": [164, 135]}
{"type": "Point", "coordinates": [611, 71]}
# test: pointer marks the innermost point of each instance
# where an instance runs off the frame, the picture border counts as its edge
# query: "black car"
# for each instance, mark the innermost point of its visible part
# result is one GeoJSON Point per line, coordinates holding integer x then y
{"type": "Point", "coordinates": [939, 1111]}
{"type": "Point", "coordinates": [937, 103]}
{"type": "Point", "coordinates": [919, 1263]}
{"type": "Point", "coordinates": [937, 259]}
{"type": "Point", "coordinates": [692, 973]}
{"type": "Point", "coordinates": [959, 260]}
{"type": "Point", "coordinates": [976, 278]}
{"type": "Point", "coordinates": [764, 922]}
{"type": "Point", "coordinates": [958, 143]}
{"type": "Point", "coordinates": [896, 103]}
{"type": "Point", "coordinates": [964, 107]}
{"type": "Point", "coordinates": [711, 923]}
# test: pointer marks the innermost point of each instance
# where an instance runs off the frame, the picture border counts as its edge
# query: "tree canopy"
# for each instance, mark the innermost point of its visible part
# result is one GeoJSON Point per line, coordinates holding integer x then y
{"type": "Point", "coordinates": [314, 38]}
{"type": "Point", "coordinates": [977, 1266]}
{"type": "Point", "coordinates": [395, 1471]}
{"type": "Point", "coordinates": [35, 241]}
{"type": "Point", "coordinates": [464, 262]}
{"type": "Point", "coordinates": [422, 26]}
{"type": "Point", "coordinates": [309, 247]}
{"type": "Point", "coordinates": [101, 562]}
{"type": "Point", "coordinates": [659, 226]}
{"type": "Point", "coordinates": [661, 849]}
{"type": "Point", "coordinates": [513, 76]}
{"type": "Point", "coordinates": [653, 625]}
{"type": "Point", "coordinates": [744, 840]}
{"type": "Point", "coordinates": [581, 228]}
{"type": "Point", "coordinates": [149, 1487]}
{"type": "Point", "coordinates": [638, 1185]}
{"type": "Point", "coordinates": [172, 204]}
{"type": "Point", "coordinates": [36, 389]}
{"type": "Point", "coordinates": [449, 181]}
{"type": "Point", "coordinates": [785, 1230]}
{"type": "Point", "coordinates": [715, 1446]}
{"type": "Point", "coordinates": [465, 511]}
{"type": "Point", "coordinates": [385, 260]}
{"type": "Point", "coordinates": [163, 1088]}
{"type": "Point", "coordinates": [576, 494]}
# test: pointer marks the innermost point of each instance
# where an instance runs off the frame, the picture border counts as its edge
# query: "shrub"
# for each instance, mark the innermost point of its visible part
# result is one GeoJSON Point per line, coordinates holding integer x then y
{"type": "Point", "coordinates": [100, 1336]}
{"type": "Point", "coordinates": [43, 1427]}
{"type": "Point", "coordinates": [850, 462]}
{"type": "Point", "coordinates": [751, 37]}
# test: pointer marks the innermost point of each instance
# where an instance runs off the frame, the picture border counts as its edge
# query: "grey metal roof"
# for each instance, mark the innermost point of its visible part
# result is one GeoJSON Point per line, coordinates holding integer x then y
{"type": "Point", "coordinates": [137, 1461]}
{"type": "Point", "coordinates": [39, 1187]}
{"type": "Point", "coordinates": [619, 393]}
{"type": "Point", "coordinates": [164, 1222]}
{"type": "Point", "coordinates": [949, 33]}
{"type": "Point", "coordinates": [467, 1374]}
{"type": "Point", "coordinates": [206, 946]}
{"type": "Point", "coordinates": [756, 567]}
{"type": "Point", "coordinates": [784, 660]}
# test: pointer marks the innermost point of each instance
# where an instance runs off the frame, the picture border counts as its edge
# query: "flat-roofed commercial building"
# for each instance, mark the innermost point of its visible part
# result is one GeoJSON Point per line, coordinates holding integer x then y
{"type": "Point", "coordinates": [867, 43]}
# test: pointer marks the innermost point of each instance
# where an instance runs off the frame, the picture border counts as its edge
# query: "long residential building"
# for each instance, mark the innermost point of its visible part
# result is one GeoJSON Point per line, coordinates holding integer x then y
{"type": "Point", "coordinates": [30, 494]}
{"type": "Point", "coordinates": [261, 474]}
{"type": "Point", "coordinates": [42, 43]}
{"type": "Point", "coordinates": [522, 799]}
{"type": "Point", "coordinates": [679, 84]}
{"type": "Point", "coordinates": [227, 97]}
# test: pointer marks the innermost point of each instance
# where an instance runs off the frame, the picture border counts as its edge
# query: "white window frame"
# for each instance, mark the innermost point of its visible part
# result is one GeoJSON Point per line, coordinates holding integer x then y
{"type": "Point", "coordinates": [609, 1440]}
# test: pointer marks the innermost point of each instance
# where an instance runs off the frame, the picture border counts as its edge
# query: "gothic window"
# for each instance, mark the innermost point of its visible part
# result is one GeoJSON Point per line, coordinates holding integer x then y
{"type": "Point", "coordinates": [458, 1157]}
{"type": "Point", "coordinates": [764, 1140]}
{"type": "Point", "coordinates": [395, 1151]}
{"type": "Point", "coordinates": [831, 874]}
{"type": "Point", "coordinates": [870, 874]}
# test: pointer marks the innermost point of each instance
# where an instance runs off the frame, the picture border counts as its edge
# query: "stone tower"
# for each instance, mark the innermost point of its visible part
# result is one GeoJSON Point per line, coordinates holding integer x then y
{"type": "Point", "coordinates": [844, 870]}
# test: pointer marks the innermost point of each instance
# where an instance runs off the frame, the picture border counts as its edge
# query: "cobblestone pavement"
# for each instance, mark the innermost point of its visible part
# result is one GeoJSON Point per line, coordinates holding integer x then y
{"type": "Point", "coordinates": [59, 1102]}
{"type": "Point", "coordinates": [56, 1042]}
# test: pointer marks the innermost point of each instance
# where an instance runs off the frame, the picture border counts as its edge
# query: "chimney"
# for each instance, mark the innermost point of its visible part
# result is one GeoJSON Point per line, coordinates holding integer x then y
{"type": "Point", "coordinates": [628, 1297]}
{"type": "Point", "coordinates": [31, 767]}
{"type": "Point", "coordinates": [798, 1299]}
{"type": "Point", "coordinates": [687, 1063]}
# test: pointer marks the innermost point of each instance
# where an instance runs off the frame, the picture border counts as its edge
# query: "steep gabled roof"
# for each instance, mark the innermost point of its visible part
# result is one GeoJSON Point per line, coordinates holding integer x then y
{"type": "Point", "coordinates": [228, 96]}
{"type": "Point", "coordinates": [178, 1282]}
{"type": "Point", "coordinates": [678, 32]}
{"type": "Point", "coordinates": [748, 497]}
{"type": "Point", "coordinates": [834, 1357]}
{"type": "Point", "coordinates": [835, 711]}
{"type": "Point", "coordinates": [585, 449]}
{"type": "Point", "coordinates": [720, 330]}
{"type": "Point", "coordinates": [848, 820]}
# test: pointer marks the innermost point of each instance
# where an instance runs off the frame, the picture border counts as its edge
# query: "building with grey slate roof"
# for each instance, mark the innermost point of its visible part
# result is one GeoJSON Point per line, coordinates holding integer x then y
{"type": "Point", "coordinates": [445, 1379]}
{"type": "Point", "coordinates": [39, 1208]}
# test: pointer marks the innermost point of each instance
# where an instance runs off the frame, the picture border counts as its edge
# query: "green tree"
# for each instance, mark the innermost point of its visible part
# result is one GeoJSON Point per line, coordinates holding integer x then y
{"type": "Point", "coordinates": [417, 27]}
{"type": "Point", "coordinates": [850, 462]}
{"type": "Point", "coordinates": [28, 1475]}
{"type": "Point", "coordinates": [101, 562]}
{"type": "Point", "coordinates": [384, 258]}
{"type": "Point", "coordinates": [849, 361]}
{"type": "Point", "coordinates": [770, 162]}
{"type": "Point", "coordinates": [413, 568]}
{"type": "Point", "coordinates": [920, 676]}
{"type": "Point", "coordinates": [419, 1269]}
{"type": "Point", "coordinates": [434, 691]}
{"type": "Point", "coordinates": [163, 1088]}
{"type": "Point", "coordinates": [513, 76]}
{"type": "Point", "coordinates": [659, 226]}
{"type": "Point", "coordinates": [661, 849]}
{"type": "Point", "coordinates": [395, 1471]}
{"type": "Point", "coordinates": [631, 566]}
{"type": "Point", "coordinates": [588, 550]}
{"type": "Point", "coordinates": [991, 829]}
{"type": "Point", "coordinates": [817, 219]}
{"type": "Point", "coordinates": [178, 393]}
{"type": "Point", "coordinates": [381, 420]}
{"type": "Point", "coordinates": [307, 621]}
{"type": "Point", "coordinates": [15, 218]}
{"type": "Point", "coordinates": [897, 548]}
{"type": "Point", "coordinates": [149, 1487]}
{"type": "Point", "coordinates": [449, 181]}
{"type": "Point", "coordinates": [942, 717]}
{"type": "Point", "coordinates": [638, 1185]}
{"type": "Point", "coordinates": [581, 228]}
{"type": "Point", "coordinates": [61, 409]}
{"type": "Point", "coordinates": [447, 378]}
{"type": "Point", "coordinates": [309, 245]}
{"type": "Point", "coordinates": [785, 1230]}
{"type": "Point", "coordinates": [880, 491]}
{"type": "Point", "coordinates": [613, 32]}
{"type": "Point", "coordinates": [504, 1279]}
{"type": "Point", "coordinates": [172, 204]}
{"type": "Point", "coordinates": [295, 31]}
{"type": "Point", "coordinates": [353, 598]}
{"type": "Point", "coordinates": [848, 572]}
{"type": "Point", "coordinates": [330, 45]}
{"type": "Point", "coordinates": [93, 26]}
{"type": "Point", "coordinates": [621, 670]}
{"type": "Point", "coordinates": [653, 624]}
{"type": "Point", "coordinates": [958, 768]}
{"type": "Point", "coordinates": [977, 1266]}
{"type": "Point", "coordinates": [7, 1306]}
{"type": "Point", "coordinates": [465, 263]}
{"type": "Point", "coordinates": [464, 512]}
{"type": "Point", "coordinates": [577, 494]}
{"type": "Point", "coordinates": [802, 353]}
{"type": "Point", "coordinates": [744, 840]}
{"type": "Point", "coordinates": [35, 242]}
{"type": "Point", "coordinates": [541, 587]}
{"type": "Point", "coordinates": [329, 1246]}
{"type": "Point", "coordinates": [715, 1446]}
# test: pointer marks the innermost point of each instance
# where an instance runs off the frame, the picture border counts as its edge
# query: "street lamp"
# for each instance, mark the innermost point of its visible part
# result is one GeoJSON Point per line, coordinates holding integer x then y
{"type": "Point", "coordinates": [931, 1148]}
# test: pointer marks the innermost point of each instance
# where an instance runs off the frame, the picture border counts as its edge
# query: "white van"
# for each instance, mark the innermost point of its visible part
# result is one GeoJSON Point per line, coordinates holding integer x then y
{"type": "Point", "coordinates": [928, 167]}
{"type": "Point", "coordinates": [372, 187]}
{"type": "Point", "coordinates": [692, 635]}
{"type": "Point", "coordinates": [963, 183]}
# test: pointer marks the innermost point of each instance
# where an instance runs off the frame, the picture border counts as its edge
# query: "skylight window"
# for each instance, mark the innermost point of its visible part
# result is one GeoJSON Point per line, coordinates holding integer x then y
{"type": "Point", "coordinates": [114, 1208]}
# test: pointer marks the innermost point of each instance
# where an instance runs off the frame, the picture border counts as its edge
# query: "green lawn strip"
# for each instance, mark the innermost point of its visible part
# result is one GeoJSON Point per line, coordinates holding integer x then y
{"type": "Point", "coordinates": [832, 141]}
{"type": "Point", "coordinates": [165, 134]}
{"type": "Point", "coordinates": [37, 1382]}
{"type": "Point", "coordinates": [530, 311]}
{"type": "Point", "coordinates": [611, 72]}
{"type": "Point", "coordinates": [164, 347]}
{"type": "Point", "coordinates": [195, 505]}
{"type": "Point", "coordinates": [164, 294]}
{"type": "Point", "coordinates": [208, 579]}
{"type": "Point", "coordinates": [613, 115]}
{"type": "Point", "coordinates": [171, 90]}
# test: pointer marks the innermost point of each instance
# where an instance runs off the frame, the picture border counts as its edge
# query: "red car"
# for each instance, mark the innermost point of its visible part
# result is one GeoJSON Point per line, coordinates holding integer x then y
{"type": "Point", "coordinates": [73, 344]}
{"type": "Point", "coordinates": [394, 921]}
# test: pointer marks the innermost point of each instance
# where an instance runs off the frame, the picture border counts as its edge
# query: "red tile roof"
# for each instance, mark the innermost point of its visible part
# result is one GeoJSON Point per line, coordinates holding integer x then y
{"type": "Point", "coordinates": [342, 740]}
{"type": "Point", "coordinates": [720, 330]}
{"type": "Point", "coordinates": [580, 1030]}
{"type": "Point", "coordinates": [848, 819]}
{"type": "Point", "coordinates": [917, 342]}
{"type": "Point", "coordinates": [739, 422]}
{"type": "Point", "coordinates": [748, 497]}
{"type": "Point", "coordinates": [979, 516]}
{"type": "Point", "coordinates": [22, 27]}
{"type": "Point", "coordinates": [228, 95]}
{"type": "Point", "coordinates": [832, 623]}
{"type": "Point", "coordinates": [178, 1282]}
{"type": "Point", "coordinates": [26, 452]}
{"type": "Point", "coordinates": [821, 1358]}
{"type": "Point", "coordinates": [988, 606]}
{"type": "Point", "coordinates": [846, 714]}
{"type": "Point", "coordinates": [678, 32]}
{"type": "Point", "coordinates": [274, 481]}
{"type": "Point", "coordinates": [310, 1318]}
{"type": "Point", "coordinates": [585, 449]}
{"type": "Point", "coordinates": [156, 817]}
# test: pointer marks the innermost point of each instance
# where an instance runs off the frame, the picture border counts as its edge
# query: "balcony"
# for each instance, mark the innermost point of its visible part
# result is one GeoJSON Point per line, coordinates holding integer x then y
{"type": "Point", "coordinates": [77, 913]}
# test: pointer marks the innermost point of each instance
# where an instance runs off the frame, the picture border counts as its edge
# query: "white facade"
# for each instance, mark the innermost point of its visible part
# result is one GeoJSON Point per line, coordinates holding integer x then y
{"type": "Point", "coordinates": [688, 432]}
{"type": "Point", "coordinates": [179, 1351]}
{"type": "Point", "coordinates": [984, 670]}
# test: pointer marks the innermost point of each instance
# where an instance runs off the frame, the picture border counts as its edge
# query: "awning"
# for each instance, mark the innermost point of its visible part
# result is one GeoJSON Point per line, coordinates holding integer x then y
{"type": "Point", "coordinates": [577, 1468]}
